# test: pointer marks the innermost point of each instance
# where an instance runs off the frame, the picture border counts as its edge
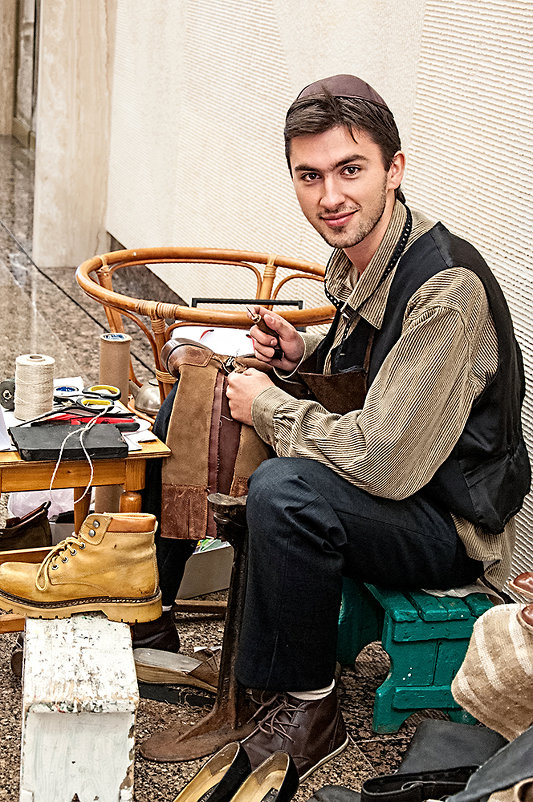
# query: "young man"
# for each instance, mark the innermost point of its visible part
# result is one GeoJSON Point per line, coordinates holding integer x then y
{"type": "Point", "coordinates": [411, 476]}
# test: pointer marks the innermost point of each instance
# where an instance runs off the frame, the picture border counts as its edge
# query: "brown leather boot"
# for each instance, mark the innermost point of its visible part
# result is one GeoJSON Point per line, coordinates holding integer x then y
{"type": "Point", "coordinates": [109, 567]}
{"type": "Point", "coordinates": [310, 732]}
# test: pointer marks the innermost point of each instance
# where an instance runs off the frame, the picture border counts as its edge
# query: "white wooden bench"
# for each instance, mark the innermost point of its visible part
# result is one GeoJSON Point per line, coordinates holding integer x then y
{"type": "Point", "coordinates": [80, 697]}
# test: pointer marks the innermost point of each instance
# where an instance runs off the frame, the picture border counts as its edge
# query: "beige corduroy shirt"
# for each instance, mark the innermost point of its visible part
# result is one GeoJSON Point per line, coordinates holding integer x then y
{"type": "Point", "coordinates": [418, 403]}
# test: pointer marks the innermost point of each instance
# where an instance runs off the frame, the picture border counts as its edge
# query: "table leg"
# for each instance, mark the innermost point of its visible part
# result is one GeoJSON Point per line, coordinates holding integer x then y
{"type": "Point", "coordinates": [81, 507]}
{"type": "Point", "coordinates": [130, 501]}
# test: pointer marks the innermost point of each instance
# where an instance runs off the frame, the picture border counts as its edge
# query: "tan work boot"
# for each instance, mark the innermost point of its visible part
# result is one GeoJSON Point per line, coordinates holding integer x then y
{"type": "Point", "coordinates": [109, 567]}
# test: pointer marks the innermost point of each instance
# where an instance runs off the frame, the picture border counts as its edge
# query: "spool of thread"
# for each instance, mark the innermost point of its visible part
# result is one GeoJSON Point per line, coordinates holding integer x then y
{"type": "Point", "coordinates": [115, 362]}
{"type": "Point", "coordinates": [34, 385]}
{"type": "Point", "coordinates": [7, 394]}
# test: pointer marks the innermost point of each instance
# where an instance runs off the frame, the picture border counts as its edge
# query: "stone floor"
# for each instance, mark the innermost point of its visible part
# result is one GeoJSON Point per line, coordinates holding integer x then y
{"type": "Point", "coordinates": [43, 310]}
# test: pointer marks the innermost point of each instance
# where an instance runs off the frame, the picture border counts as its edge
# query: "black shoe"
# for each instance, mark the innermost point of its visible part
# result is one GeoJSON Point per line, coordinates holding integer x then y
{"type": "Point", "coordinates": [275, 780]}
{"type": "Point", "coordinates": [310, 732]}
{"type": "Point", "coordinates": [158, 634]}
{"type": "Point", "coordinates": [17, 655]}
{"type": "Point", "coordinates": [219, 778]}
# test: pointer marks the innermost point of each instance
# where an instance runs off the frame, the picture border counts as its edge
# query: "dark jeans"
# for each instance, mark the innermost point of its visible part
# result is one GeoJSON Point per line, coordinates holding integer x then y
{"type": "Point", "coordinates": [308, 528]}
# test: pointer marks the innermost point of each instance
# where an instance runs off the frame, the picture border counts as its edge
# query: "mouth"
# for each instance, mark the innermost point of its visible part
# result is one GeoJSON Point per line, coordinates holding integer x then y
{"type": "Point", "coordinates": [337, 220]}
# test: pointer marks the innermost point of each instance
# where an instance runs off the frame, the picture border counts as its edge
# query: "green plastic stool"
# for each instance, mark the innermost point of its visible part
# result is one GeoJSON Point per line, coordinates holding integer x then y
{"type": "Point", "coordinates": [426, 638]}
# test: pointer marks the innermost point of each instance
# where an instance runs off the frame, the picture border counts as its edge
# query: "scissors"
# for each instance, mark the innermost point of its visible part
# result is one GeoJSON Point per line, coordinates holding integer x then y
{"type": "Point", "coordinates": [94, 400]}
{"type": "Point", "coordinates": [96, 397]}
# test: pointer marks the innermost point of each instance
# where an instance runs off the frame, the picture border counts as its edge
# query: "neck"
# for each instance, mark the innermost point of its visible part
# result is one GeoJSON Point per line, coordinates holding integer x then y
{"type": "Point", "coordinates": [361, 254]}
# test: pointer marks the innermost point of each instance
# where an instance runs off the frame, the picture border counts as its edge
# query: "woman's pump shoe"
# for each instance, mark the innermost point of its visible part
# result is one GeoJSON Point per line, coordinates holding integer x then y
{"type": "Point", "coordinates": [525, 617]}
{"type": "Point", "coordinates": [275, 780]}
{"type": "Point", "coordinates": [523, 584]}
{"type": "Point", "coordinates": [219, 778]}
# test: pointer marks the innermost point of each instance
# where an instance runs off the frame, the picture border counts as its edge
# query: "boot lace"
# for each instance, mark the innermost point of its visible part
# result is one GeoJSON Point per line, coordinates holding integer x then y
{"type": "Point", "coordinates": [58, 552]}
{"type": "Point", "coordinates": [273, 707]}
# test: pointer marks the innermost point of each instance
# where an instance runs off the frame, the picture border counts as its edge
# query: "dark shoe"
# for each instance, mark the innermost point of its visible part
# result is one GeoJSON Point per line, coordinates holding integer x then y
{"type": "Point", "coordinates": [525, 617]}
{"type": "Point", "coordinates": [158, 634]}
{"type": "Point", "coordinates": [275, 780]}
{"type": "Point", "coordinates": [310, 732]}
{"type": "Point", "coordinates": [219, 778]}
{"type": "Point", "coordinates": [523, 584]}
{"type": "Point", "coordinates": [17, 655]}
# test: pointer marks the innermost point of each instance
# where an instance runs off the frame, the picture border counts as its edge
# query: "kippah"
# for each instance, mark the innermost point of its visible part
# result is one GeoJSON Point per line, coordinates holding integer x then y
{"type": "Point", "coordinates": [344, 86]}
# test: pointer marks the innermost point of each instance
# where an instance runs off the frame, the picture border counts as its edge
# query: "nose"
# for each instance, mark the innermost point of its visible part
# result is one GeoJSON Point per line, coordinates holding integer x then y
{"type": "Point", "coordinates": [332, 196]}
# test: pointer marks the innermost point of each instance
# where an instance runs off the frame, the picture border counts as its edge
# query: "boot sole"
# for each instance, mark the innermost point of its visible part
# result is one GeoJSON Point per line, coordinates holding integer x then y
{"type": "Point", "coordinates": [331, 755]}
{"type": "Point", "coordinates": [127, 611]}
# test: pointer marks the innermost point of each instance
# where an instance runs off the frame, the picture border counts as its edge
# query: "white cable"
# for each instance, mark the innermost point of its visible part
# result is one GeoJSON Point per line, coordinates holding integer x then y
{"type": "Point", "coordinates": [81, 433]}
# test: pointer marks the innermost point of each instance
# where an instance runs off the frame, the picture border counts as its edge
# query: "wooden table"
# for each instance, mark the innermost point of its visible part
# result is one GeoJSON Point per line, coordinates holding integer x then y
{"type": "Point", "coordinates": [17, 474]}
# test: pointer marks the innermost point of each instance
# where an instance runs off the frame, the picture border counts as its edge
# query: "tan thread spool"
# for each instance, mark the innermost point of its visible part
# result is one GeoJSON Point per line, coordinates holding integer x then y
{"type": "Point", "coordinates": [115, 362]}
{"type": "Point", "coordinates": [34, 385]}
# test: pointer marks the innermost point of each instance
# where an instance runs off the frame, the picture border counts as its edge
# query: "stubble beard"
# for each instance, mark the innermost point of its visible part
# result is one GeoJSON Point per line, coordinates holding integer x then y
{"type": "Point", "coordinates": [347, 239]}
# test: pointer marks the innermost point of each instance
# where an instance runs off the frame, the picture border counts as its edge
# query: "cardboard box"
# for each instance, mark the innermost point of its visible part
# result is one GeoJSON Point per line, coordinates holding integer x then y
{"type": "Point", "coordinates": [207, 571]}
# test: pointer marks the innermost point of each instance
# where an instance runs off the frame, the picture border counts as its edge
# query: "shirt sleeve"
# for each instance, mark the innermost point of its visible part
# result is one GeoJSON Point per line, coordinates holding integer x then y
{"type": "Point", "coordinates": [416, 407]}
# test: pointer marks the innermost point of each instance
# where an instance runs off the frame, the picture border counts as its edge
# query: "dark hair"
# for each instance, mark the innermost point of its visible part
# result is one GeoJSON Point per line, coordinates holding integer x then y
{"type": "Point", "coordinates": [318, 113]}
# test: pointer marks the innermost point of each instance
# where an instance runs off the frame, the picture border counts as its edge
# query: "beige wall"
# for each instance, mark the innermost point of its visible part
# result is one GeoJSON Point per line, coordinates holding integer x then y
{"type": "Point", "coordinates": [72, 124]}
{"type": "Point", "coordinates": [7, 64]}
{"type": "Point", "coordinates": [200, 93]}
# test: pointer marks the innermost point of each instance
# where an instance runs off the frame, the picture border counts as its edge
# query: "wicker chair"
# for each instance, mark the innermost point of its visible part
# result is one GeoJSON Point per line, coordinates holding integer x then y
{"type": "Point", "coordinates": [95, 277]}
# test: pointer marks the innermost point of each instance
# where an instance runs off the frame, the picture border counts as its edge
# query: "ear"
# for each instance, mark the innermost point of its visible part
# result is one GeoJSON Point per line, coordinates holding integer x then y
{"type": "Point", "coordinates": [396, 170]}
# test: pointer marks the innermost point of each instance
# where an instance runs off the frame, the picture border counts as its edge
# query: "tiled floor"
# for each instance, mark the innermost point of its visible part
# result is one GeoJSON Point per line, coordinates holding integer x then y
{"type": "Point", "coordinates": [44, 311]}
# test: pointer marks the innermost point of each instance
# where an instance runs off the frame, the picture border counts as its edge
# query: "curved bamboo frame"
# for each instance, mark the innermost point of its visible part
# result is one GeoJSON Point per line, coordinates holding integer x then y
{"type": "Point", "coordinates": [95, 277]}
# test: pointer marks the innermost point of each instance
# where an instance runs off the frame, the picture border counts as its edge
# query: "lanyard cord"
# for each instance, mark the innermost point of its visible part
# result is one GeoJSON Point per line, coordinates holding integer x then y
{"type": "Point", "coordinates": [393, 261]}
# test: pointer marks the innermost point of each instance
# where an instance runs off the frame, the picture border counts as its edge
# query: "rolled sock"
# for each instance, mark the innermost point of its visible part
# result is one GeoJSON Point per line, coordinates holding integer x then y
{"type": "Point", "coordinates": [166, 607]}
{"type": "Point", "coordinates": [313, 696]}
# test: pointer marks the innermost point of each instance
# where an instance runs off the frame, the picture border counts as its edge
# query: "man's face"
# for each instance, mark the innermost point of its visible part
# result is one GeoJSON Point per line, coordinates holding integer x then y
{"type": "Point", "coordinates": [342, 185]}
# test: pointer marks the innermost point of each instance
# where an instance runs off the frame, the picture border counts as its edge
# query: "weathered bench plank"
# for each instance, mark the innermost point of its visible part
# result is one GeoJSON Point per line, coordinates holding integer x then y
{"type": "Point", "coordinates": [80, 697]}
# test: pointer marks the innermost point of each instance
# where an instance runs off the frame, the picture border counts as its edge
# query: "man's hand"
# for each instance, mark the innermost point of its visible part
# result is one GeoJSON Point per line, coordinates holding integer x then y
{"type": "Point", "coordinates": [241, 391]}
{"type": "Point", "coordinates": [289, 340]}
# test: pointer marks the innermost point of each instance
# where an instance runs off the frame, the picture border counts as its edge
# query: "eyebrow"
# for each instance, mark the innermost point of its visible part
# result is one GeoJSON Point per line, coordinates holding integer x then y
{"type": "Point", "coordinates": [355, 157]}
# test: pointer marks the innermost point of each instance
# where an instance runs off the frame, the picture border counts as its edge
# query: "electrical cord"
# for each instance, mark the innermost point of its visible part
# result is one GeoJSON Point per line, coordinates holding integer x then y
{"type": "Point", "coordinates": [21, 247]}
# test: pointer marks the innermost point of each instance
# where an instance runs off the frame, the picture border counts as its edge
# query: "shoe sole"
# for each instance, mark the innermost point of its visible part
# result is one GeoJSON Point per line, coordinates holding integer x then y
{"type": "Point", "coordinates": [168, 668]}
{"type": "Point", "coordinates": [325, 760]}
{"type": "Point", "coordinates": [127, 611]}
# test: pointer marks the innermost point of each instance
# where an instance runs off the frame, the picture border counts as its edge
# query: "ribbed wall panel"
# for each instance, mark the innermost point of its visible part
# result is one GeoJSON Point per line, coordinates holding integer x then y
{"type": "Point", "coordinates": [471, 159]}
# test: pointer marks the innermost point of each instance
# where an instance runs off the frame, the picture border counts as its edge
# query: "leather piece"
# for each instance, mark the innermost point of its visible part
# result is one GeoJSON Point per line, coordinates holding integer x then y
{"type": "Point", "coordinates": [28, 531]}
{"type": "Point", "coordinates": [178, 352]}
{"type": "Point", "coordinates": [339, 393]}
{"type": "Point", "coordinates": [417, 786]}
{"type": "Point", "coordinates": [440, 744]}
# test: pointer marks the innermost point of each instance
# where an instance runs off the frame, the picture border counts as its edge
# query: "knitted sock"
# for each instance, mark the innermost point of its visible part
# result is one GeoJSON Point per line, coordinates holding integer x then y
{"type": "Point", "coordinates": [495, 679]}
{"type": "Point", "coordinates": [313, 696]}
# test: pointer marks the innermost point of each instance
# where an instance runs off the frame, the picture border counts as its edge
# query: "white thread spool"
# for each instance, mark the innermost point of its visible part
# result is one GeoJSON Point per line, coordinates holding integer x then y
{"type": "Point", "coordinates": [34, 385]}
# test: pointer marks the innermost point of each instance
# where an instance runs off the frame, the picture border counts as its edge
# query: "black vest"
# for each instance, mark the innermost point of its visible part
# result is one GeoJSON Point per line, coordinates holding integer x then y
{"type": "Point", "coordinates": [487, 475]}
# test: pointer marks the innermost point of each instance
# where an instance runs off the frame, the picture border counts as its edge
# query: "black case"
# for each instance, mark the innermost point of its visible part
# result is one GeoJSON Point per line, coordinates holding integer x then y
{"type": "Point", "coordinates": [43, 442]}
